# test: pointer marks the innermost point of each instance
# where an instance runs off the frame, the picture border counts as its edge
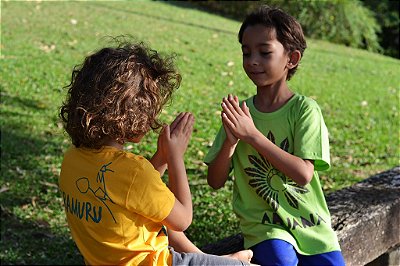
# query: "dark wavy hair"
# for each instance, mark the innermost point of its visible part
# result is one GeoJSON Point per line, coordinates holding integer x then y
{"type": "Point", "coordinates": [117, 93]}
{"type": "Point", "coordinates": [288, 30]}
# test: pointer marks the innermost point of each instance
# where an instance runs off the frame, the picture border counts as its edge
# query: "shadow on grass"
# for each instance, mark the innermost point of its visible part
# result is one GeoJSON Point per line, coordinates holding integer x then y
{"type": "Point", "coordinates": [21, 102]}
{"type": "Point", "coordinates": [26, 242]}
{"type": "Point", "coordinates": [29, 198]}
{"type": "Point", "coordinates": [208, 8]}
{"type": "Point", "coordinates": [168, 19]}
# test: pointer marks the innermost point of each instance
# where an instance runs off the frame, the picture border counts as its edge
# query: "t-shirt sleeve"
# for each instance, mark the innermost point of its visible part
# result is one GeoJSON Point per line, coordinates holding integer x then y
{"type": "Point", "coordinates": [311, 136]}
{"type": "Point", "coordinates": [148, 195]}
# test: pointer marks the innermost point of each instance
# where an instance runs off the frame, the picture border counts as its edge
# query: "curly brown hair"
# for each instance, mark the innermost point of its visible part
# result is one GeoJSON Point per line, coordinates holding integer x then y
{"type": "Point", "coordinates": [117, 93]}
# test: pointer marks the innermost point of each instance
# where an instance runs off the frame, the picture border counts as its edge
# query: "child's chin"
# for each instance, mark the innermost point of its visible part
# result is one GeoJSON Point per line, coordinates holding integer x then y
{"type": "Point", "coordinates": [258, 83]}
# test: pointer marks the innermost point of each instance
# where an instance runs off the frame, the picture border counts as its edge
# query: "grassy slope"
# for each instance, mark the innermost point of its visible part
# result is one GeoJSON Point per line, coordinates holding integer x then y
{"type": "Point", "coordinates": [42, 41]}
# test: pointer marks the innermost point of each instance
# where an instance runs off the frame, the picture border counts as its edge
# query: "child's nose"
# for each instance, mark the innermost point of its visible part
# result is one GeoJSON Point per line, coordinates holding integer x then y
{"type": "Point", "coordinates": [254, 60]}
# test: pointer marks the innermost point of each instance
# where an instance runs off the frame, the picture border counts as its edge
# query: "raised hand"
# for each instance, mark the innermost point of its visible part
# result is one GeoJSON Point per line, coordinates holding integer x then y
{"type": "Point", "coordinates": [229, 135]}
{"type": "Point", "coordinates": [237, 118]}
{"type": "Point", "coordinates": [174, 138]}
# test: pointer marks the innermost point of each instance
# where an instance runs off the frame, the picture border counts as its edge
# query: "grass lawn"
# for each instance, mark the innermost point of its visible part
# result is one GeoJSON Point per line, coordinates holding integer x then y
{"type": "Point", "coordinates": [42, 41]}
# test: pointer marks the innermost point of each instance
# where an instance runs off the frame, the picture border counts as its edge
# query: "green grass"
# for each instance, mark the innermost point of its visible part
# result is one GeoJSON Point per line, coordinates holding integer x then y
{"type": "Point", "coordinates": [41, 42]}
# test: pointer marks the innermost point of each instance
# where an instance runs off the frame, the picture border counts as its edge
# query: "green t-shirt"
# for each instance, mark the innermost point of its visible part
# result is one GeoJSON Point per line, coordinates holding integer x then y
{"type": "Point", "coordinates": [270, 205]}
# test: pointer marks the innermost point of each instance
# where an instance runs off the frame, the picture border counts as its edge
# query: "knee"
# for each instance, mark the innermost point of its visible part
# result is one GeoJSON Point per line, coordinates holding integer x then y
{"type": "Point", "coordinates": [274, 252]}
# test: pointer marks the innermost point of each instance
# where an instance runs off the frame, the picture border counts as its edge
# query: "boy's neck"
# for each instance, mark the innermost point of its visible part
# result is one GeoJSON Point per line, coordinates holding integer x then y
{"type": "Point", "coordinates": [114, 144]}
{"type": "Point", "coordinates": [272, 98]}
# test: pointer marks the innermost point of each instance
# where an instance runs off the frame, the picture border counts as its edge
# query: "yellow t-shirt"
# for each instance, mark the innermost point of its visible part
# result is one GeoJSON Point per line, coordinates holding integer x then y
{"type": "Point", "coordinates": [114, 202]}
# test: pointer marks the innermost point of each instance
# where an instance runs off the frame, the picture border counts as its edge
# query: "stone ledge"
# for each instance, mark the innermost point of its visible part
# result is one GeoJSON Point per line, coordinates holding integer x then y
{"type": "Point", "coordinates": [365, 216]}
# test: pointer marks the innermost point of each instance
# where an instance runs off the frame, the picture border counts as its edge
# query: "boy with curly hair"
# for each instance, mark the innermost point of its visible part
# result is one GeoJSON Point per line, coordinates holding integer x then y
{"type": "Point", "coordinates": [118, 209]}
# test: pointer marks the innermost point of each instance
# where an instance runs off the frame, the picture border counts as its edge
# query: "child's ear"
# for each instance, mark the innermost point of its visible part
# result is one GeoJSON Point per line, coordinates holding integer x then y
{"type": "Point", "coordinates": [294, 59]}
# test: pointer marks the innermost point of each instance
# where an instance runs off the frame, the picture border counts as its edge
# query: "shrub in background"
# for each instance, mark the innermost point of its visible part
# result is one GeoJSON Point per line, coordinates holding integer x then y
{"type": "Point", "coordinates": [387, 13]}
{"type": "Point", "coordinates": [346, 22]}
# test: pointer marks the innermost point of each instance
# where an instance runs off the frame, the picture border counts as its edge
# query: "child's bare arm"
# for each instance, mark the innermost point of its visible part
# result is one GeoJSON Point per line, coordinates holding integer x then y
{"type": "Point", "coordinates": [181, 243]}
{"type": "Point", "coordinates": [159, 162]}
{"type": "Point", "coordinates": [218, 169]}
{"type": "Point", "coordinates": [239, 121]}
{"type": "Point", "coordinates": [175, 139]}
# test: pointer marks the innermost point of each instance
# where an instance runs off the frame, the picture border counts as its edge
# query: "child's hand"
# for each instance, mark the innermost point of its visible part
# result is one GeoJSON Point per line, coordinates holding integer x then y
{"type": "Point", "coordinates": [229, 135]}
{"type": "Point", "coordinates": [237, 119]}
{"type": "Point", "coordinates": [160, 155]}
{"type": "Point", "coordinates": [175, 137]}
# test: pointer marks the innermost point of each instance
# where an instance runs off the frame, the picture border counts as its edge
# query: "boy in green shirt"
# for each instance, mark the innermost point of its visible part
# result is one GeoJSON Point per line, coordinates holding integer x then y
{"type": "Point", "coordinates": [275, 141]}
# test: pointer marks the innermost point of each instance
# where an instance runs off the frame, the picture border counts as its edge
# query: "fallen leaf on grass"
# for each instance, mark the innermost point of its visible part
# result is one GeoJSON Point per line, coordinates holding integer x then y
{"type": "Point", "coordinates": [48, 184]}
{"type": "Point", "coordinates": [47, 48]}
{"type": "Point", "coordinates": [33, 201]}
{"type": "Point", "coordinates": [4, 189]}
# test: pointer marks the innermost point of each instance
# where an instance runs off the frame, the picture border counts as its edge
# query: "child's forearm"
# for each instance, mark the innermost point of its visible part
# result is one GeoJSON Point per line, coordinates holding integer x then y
{"type": "Point", "coordinates": [159, 163]}
{"type": "Point", "coordinates": [181, 243]}
{"type": "Point", "coordinates": [218, 169]}
{"type": "Point", "coordinates": [299, 170]}
{"type": "Point", "coordinates": [178, 183]}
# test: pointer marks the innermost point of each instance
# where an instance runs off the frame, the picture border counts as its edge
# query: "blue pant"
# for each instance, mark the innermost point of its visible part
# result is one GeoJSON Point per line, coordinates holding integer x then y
{"type": "Point", "coordinates": [280, 252]}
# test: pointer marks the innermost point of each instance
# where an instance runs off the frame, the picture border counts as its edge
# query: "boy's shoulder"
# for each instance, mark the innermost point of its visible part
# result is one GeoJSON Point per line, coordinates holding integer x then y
{"type": "Point", "coordinates": [301, 98]}
{"type": "Point", "coordinates": [107, 153]}
{"type": "Point", "coordinates": [303, 101]}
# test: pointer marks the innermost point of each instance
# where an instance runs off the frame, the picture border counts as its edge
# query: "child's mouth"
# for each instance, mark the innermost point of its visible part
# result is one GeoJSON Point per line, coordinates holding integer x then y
{"type": "Point", "coordinates": [256, 73]}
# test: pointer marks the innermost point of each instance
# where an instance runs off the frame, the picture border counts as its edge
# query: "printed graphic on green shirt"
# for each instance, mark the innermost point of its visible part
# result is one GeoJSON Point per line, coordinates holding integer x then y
{"type": "Point", "coordinates": [269, 182]}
